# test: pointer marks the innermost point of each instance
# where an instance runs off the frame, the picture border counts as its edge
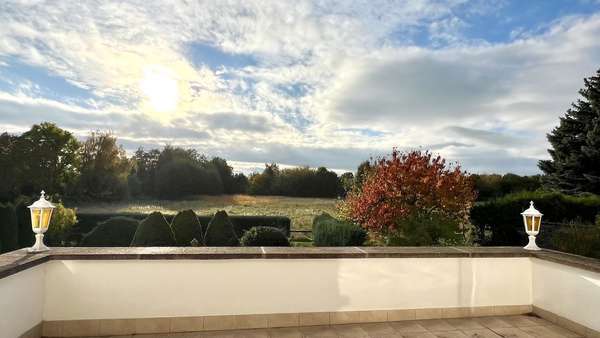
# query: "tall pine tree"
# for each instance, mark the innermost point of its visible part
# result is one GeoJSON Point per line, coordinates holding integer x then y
{"type": "Point", "coordinates": [575, 163]}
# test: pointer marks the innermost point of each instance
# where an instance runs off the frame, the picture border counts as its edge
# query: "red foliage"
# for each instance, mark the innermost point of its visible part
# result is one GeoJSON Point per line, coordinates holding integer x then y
{"type": "Point", "coordinates": [406, 183]}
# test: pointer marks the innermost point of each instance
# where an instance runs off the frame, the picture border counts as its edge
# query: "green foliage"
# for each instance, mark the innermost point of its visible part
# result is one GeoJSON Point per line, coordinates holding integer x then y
{"type": "Point", "coordinates": [104, 169]}
{"type": "Point", "coordinates": [264, 236]}
{"type": "Point", "coordinates": [220, 231]}
{"type": "Point", "coordinates": [186, 228]}
{"type": "Point", "coordinates": [8, 228]}
{"type": "Point", "coordinates": [62, 221]}
{"type": "Point", "coordinates": [495, 186]}
{"type": "Point", "coordinates": [346, 183]}
{"type": "Point", "coordinates": [575, 144]}
{"type": "Point", "coordinates": [183, 172]}
{"type": "Point", "coordinates": [232, 183]}
{"type": "Point", "coordinates": [115, 231]}
{"type": "Point", "coordinates": [298, 182]}
{"type": "Point", "coordinates": [264, 183]}
{"type": "Point", "coordinates": [502, 216]}
{"type": "Point", "coordinates": [44, 157]}
{"type": "Point", "coordinates": [426, 229]}
{"type": "Point", "coordinates": [153, 231]}
{"type": "Point", "coordinates": [328, 231]}
{"type": "Point", "coordinates": [26, 236]}
{"type": "Point", "coordinates": [363, 170]}
{"type": "Point", "coordinates": [47, 158]}
{"type": "Point", "coordinates": [145, 166]}
{"type": "Point", "coordinates": [9, 172]}
{"type": "Point", "coordinates": [578, 239]}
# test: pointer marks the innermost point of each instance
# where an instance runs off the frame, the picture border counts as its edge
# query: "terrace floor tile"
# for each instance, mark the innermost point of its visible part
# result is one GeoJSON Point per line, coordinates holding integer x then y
{"type": "Point", "coordinates": [484, 327]}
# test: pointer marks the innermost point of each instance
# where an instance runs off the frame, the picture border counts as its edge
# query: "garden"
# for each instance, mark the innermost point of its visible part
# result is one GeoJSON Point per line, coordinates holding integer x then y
{"type": "Point", "coordinates": [177, 197]}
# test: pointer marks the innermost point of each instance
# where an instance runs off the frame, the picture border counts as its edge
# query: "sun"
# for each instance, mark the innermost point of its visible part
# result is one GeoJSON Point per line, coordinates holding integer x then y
{"type": "Point", "coordinates": [159, 86]}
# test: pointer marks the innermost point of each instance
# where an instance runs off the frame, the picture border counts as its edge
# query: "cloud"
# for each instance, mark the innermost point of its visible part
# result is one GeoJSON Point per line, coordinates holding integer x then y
{"type": "Point", "coordinates": [233, 121]}
{"type": "Point", "coordinates": [316, 83]}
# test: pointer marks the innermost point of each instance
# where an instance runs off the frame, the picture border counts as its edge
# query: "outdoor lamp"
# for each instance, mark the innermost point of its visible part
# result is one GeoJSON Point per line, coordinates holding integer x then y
{"type": "Point", "coordinates": [41, 212]}
{"type": "Point", "coordinates": [532, 219]}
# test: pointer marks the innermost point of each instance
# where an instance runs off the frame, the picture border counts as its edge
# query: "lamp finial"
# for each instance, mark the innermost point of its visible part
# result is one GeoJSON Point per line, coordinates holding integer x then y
{"type": "Point", "coordinates": [43, 194]}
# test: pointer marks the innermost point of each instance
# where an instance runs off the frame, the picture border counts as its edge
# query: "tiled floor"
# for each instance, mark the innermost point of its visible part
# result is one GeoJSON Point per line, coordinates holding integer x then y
{"type": "Point", "coordinates": [484, 327]}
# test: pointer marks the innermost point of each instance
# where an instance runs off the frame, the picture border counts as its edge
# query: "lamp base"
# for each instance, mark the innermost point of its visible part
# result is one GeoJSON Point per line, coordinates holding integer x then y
{"type": "Point", "coordinates": [531, 245]}
{"type": "Point", "coordinates": [39, 245]}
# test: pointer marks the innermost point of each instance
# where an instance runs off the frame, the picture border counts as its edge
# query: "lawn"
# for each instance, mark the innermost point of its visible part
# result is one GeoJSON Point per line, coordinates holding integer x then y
{"type": "Point", "coordinates": [300, 210]}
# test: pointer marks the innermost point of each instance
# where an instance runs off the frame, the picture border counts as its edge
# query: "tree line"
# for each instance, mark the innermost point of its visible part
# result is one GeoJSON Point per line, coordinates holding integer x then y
{"type": "Point", "coordinates": [98, 169]}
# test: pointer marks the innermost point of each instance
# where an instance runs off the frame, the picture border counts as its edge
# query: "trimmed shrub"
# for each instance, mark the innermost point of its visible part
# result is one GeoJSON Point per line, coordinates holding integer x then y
{"type": "Point", "coordinates": [220, 231]}
{"type": "Point", "coordinates": [186, 228]}
{"type": "Point", "coordinates": [329, 231]}
{"type": "Point", "coordinates": [264, 236]}
{"type": "Point", "coordinates": [153, 231]}
{"type": "Point", "coordinates": [9, 230]}
{"type": "Point", "coordinates": [86, 222]}
{"type": "Point", "coordinates": [61, 225]}
{"type": "Point", "coordinates": [116, 231]}
{"type": "Point", "coordinates": [503, 218]}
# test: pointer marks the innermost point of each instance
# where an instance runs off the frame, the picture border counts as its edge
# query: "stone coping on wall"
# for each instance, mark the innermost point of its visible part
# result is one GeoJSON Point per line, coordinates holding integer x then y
{"type": "Point", "coordinates": [19, 260]}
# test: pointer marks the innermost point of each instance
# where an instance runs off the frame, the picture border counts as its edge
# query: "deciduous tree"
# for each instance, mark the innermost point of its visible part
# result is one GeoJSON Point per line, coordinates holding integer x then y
{"type": "Point", "coordinates": [404, 184]}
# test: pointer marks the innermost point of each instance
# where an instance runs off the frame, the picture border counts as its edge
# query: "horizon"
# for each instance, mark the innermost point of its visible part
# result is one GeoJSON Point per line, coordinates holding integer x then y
{"type": "Point", "coordinates": [317, 84]}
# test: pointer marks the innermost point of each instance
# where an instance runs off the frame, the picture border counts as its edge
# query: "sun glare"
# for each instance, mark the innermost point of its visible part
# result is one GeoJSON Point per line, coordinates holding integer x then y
{"type": "Point", "coordinates": [159, 86]}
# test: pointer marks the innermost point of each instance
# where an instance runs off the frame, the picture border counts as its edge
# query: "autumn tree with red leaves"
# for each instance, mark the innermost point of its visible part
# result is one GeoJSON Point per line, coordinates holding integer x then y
{"type": "Point", "coordinates": [406, 184]}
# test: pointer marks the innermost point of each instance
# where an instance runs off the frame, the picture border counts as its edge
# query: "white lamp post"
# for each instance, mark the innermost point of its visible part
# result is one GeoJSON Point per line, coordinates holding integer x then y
{"type": "Point", "coordinates": [41, 212]}
{"type": "Point", "coordinates": [532, 219]}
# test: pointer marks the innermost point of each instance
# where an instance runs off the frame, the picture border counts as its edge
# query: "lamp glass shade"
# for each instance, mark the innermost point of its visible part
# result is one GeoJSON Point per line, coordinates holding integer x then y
{"type": "Point", "coordinates": [529, 223]}
{"type": "Point", "coordinates": [537, 220]}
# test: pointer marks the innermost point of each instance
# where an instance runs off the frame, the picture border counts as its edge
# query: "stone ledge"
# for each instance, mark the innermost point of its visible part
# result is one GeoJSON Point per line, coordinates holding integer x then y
{"type": "Point", "coordinates": [19, 260]}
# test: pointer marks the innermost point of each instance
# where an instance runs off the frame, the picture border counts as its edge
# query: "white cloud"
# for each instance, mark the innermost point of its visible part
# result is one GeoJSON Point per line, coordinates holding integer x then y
{"type": "Point", "coordinates": [325, 72]}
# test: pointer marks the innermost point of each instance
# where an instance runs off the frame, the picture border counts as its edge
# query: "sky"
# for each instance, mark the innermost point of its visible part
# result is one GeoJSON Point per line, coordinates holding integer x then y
{"type": "Point", "coordinates": [298, 82]}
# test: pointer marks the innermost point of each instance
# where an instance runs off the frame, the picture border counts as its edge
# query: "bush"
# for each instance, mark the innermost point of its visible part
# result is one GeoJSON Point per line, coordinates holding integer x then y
{"type": "Point", "coordinates": [264, 236]}
{"type": "Point", "coordinates": [116, 231]}
{"type": "Point", "coordinates": [503, 215]}
{"type": "Point", "coordinates": [153, 231]}
{"type": "Point", "coordinates": [407, 183]}
{"type": "Point", "coordinates": [220, 231]}
{"type": "Point", "coordinates": [62, 221]}
{"type": "Point", "coordinates": [328, 231]}
{"type": "Point", "coordinates": [242, 224]}
{"type": "Point", "coordinates": [9, 229]}
{"type": "Point", "coordinates": [186, 228]}
{"type": "Point", "coordinates": [578, 239]}
{"type": "Point", "coordinates": [426, 229]}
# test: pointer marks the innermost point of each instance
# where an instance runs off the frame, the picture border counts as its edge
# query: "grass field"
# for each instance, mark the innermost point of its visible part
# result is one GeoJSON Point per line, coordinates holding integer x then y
{"type": "Point", "coordinates": [300, 210]}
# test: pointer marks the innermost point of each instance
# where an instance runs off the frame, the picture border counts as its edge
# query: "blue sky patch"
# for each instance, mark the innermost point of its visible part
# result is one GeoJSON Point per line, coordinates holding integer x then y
{"type": "Point", "coordinates": [215, 58]}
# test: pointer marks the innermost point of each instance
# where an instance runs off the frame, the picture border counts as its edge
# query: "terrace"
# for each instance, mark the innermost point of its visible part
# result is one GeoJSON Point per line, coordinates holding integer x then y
{"type": "Point", "coordinates": [299, 292]}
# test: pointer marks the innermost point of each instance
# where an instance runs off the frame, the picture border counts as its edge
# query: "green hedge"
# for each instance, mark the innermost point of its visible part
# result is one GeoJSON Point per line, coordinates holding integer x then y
{"type": "Point", "coordinates": [328, 231]}
{"type": "Point", "coordinates": [220, 231]}
{"type": "Point", "coordinates": [153, 231]}
{"type": "Point", "coordinates": [9, 229]}
{"type": "Point", "coordinates": [116, 231]}
{"type": "Point", "coordinates": [578, 239]}
{"type": "Point", "coordinates": [503, 215]}
{"type": "Point", "coordinates": [264, 236]}
{"type": "Point", "coordinates": [86, 222]}
{"type": "Point", "coordinates": [186, 228]}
